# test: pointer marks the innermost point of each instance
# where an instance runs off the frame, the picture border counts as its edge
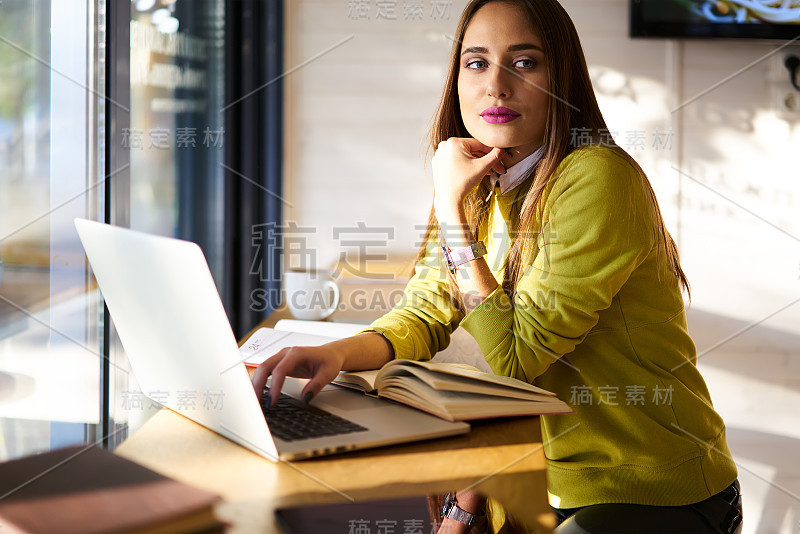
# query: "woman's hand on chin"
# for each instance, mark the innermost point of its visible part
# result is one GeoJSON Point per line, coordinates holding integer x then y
{"type": "Point", "coordinates": [459, 164]}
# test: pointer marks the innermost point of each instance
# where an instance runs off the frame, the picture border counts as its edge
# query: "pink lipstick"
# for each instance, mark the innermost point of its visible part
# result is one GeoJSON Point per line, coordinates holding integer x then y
{"type": "Point", "coordinates": [499, 115]}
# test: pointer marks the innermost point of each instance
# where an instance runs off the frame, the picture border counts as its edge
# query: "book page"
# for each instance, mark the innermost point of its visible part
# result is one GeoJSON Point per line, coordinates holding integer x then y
{"type": "Point", "coordinates": [461, 406]}
{"type": "Point", "coordinates": [447, 382]}
{"type": "Point", "coordinates": [444, 369]}
{"type": "Point", "coordinates": [363, 380]}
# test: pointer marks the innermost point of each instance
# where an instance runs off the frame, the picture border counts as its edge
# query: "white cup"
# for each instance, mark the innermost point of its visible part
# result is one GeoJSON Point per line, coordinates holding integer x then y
{"type": "Point", "coordinates": [311, 295]}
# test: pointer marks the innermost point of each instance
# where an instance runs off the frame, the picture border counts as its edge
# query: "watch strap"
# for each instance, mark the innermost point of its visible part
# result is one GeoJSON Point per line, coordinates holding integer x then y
{"type": "Point", "coordinates": [460, 256]}
{"type": "Point", "coordinates": [451, 510]}
{"type": "Point", "coordinates": [463, 517]}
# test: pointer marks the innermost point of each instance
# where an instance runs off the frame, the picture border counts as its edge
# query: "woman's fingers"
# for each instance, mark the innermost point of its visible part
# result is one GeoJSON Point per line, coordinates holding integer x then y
{"type": "Point", "coordinates": [473, 152]}
{"type": "Point", "coordinates": [320, 378]}
{"type": "Point", "coordinates": [278, 376]}
{"type": "Point", "coordinates": [320, 365]}
{"type": "Point", "coordinates": [496, 158]}
{"type": "Point", "coordinates": [474, 145]}
{"type": "Point", "coordinates": [264, 370]}
{"type": "Point", "coordinates": [296, 362]}
{"type": "Point", "coordinates": [459, 165]}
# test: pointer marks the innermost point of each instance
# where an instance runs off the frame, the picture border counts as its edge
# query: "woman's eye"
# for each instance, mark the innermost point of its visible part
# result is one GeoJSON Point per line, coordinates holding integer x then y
{"type": "Point", "coordinates": [525, 63]}
{"type": "Point", "coordinates": [476, 64]}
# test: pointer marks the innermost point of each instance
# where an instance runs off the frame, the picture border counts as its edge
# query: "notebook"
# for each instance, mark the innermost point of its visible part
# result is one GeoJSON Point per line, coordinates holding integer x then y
{"type": "Point", "coordinates": [171, 322]}
{"type": "Point", "coordinates": [90, 490]}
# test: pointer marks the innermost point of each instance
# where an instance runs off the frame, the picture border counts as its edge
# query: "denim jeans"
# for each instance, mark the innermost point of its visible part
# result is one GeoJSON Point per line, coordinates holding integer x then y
{"type": "Point", "coordinates": [719, 514]}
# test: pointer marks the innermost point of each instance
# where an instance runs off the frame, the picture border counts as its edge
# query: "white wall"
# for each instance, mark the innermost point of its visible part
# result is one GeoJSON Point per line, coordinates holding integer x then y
{"type": "Point", "coordinates": [356, 119]}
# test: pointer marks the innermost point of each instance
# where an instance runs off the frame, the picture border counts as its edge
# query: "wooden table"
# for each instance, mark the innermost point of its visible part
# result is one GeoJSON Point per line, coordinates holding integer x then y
{"type": "Point", "coordinates": [502, 459]}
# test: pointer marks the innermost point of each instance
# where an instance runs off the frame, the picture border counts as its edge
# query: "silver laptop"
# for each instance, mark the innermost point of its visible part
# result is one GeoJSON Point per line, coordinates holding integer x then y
{"type": "Point", "coordinates": [171, 321]}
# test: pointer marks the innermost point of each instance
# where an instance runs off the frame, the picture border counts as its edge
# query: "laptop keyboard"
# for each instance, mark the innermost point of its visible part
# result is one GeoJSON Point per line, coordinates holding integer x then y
{"type": "Point", "coordinates": [292, 420]}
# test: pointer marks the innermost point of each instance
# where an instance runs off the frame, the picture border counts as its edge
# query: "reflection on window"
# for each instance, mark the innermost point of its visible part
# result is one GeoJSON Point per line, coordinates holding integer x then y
{"type": "Point", "coordinates": [175, 140]}
{"type": "Point", "coordinates": [176, 136]}
{"type": "Point", "coordinates": [50, 316]}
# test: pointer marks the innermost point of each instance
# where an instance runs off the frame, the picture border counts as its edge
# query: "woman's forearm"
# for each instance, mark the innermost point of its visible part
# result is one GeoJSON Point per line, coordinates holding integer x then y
{"type": "Point", "coordinates": [475, 278]}
{"type": "Point", "coordinates": [369, 350]}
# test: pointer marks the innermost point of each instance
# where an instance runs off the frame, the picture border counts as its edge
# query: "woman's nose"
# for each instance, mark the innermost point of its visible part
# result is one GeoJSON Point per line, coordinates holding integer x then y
{"type": "Point", "coordinates": [498, 83]}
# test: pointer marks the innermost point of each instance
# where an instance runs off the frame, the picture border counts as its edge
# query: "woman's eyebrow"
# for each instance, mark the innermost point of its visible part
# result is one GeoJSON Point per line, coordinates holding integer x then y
{"type": "Point", "coordinates": [512, 48]}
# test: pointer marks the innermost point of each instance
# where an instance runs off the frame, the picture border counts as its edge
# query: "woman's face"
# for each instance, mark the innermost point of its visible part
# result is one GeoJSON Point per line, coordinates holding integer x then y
{"type": "Point", "coordinates": [503, 81]}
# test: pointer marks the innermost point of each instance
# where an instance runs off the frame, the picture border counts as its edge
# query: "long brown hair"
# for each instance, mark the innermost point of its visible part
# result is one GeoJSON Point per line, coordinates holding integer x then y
{"type": "Point", "coordinates": [572, 107]}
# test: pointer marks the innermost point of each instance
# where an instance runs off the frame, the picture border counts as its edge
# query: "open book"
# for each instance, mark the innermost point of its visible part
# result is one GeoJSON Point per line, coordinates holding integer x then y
{"type": "Point", "coordinates": [452, 391]}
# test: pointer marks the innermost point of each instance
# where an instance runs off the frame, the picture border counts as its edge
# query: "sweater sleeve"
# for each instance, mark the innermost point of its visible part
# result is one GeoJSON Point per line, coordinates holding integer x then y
{"type": "Point", "coordinates": [421, 323]}
{"type": "Point", "coordinates": [597, 231]}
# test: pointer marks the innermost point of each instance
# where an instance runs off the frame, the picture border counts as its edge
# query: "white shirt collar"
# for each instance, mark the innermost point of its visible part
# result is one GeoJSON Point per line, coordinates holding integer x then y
{"type": "Point", "coordinates": [516, 173]}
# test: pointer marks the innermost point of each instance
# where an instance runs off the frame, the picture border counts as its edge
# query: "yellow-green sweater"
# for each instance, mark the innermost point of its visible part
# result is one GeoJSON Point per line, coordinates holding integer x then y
{"type": "Point", "coordinates": [598, 320]}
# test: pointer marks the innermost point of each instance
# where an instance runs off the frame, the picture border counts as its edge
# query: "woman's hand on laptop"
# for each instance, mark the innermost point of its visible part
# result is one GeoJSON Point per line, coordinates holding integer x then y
{"type": "Point", "coordinates": [322, 364]}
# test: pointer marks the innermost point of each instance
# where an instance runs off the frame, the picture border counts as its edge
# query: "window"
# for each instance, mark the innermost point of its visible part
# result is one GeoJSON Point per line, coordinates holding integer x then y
{"type": "Point", "coordinates": [174, 141]}
{"type": "Point", "coordinates": [51, 163]}
{"type": "Point", "coordinates": [116, 111]}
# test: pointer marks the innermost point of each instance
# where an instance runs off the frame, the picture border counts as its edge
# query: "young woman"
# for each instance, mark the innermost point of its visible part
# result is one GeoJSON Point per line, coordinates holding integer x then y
{"type": "Point", "coordinates": [569, 281]}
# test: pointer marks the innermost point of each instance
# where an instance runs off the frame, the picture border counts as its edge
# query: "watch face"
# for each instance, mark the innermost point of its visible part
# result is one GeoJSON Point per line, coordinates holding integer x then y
{"type": "Point", "coordinates": [447, 504]}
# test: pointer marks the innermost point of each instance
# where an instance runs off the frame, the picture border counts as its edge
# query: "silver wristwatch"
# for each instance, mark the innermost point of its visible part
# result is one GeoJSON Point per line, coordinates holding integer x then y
{"type": "Point", "coordinates": [460, 256]}
{"type": "Point", "coordinates": [451, 510]}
